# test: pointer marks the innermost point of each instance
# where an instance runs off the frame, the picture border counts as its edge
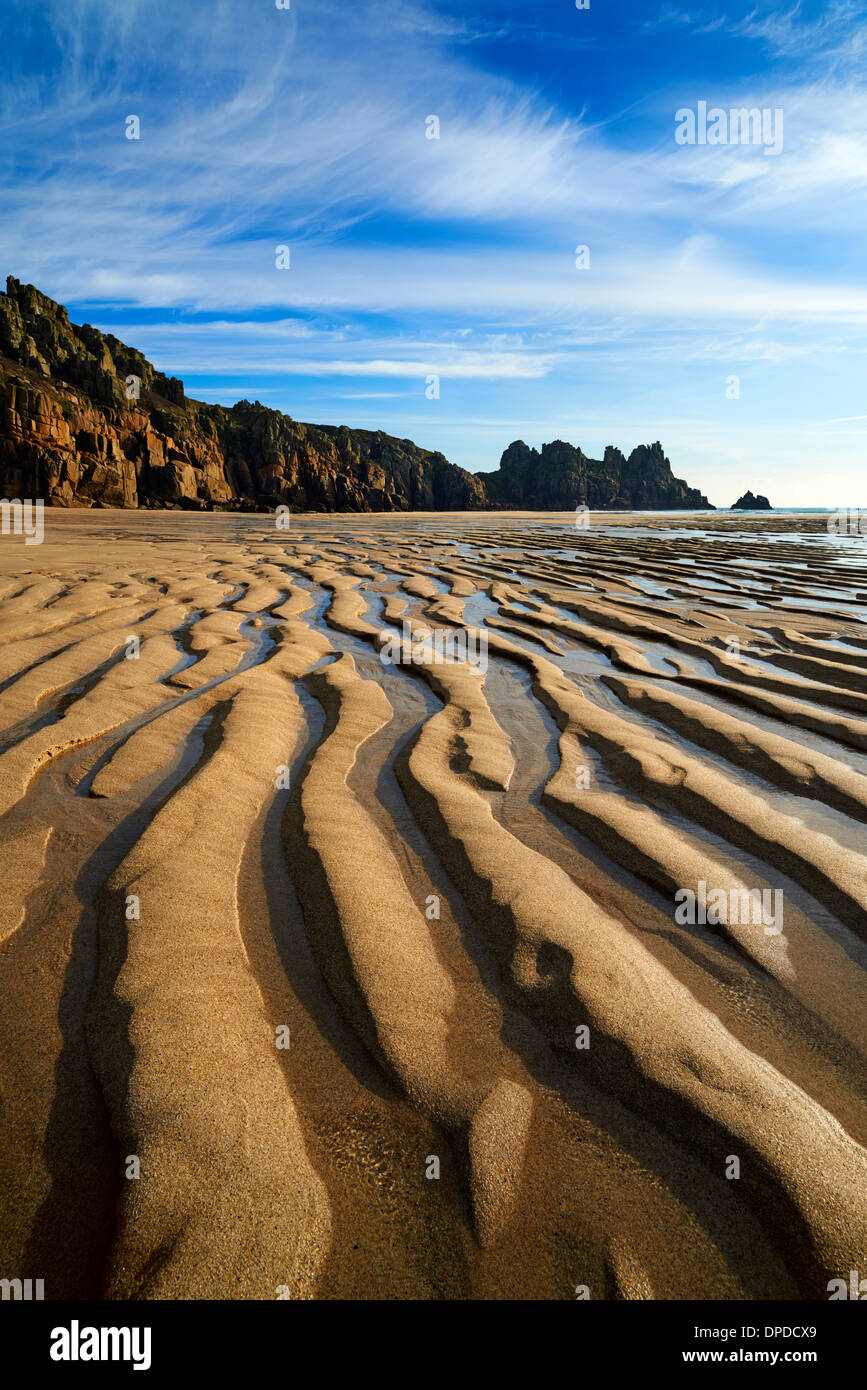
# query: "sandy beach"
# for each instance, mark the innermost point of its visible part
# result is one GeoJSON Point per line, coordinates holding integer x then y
{"type": "Point", "coordinates": [342, 959]}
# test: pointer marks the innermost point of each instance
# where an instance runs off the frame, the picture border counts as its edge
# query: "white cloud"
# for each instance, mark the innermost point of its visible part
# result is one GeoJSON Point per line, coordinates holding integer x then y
{"type": "Point", "coordinates": [832, 36]}
{"type": "Point", "coordinates": [307, 127]}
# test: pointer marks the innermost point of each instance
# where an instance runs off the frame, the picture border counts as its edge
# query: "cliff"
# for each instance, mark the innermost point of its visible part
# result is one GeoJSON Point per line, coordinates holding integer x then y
{"type": "Point", "coordinates": [86, 421]}
{"type": "Point", "coordinates": [561, 476]}
{"type": "Point", "coordinates": [75, 433]}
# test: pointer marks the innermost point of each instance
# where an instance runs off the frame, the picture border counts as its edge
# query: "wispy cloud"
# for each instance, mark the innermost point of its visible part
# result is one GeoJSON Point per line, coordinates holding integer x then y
{"type": "Point", "coordinates": [454, 256]}
{"type": "Point", "coordinates": [784, 31]}
{"type": "Point", "coordinates": [788, 32]}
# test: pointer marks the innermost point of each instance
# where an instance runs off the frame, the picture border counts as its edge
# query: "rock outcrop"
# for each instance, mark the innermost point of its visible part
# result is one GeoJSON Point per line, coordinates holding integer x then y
{"type": "Point", "coordinates": [562, 476]}
{"type": "Point", "coordinates": [751, 503]}
{"type": "Point", "coordinates": [89, 422]}
{"type": "Point", "coordinates": [86, 421]}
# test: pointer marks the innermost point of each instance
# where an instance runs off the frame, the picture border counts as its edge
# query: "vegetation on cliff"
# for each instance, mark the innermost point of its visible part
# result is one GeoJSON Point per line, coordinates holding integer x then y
{"type": "Point", "coordinates": [88, 421]}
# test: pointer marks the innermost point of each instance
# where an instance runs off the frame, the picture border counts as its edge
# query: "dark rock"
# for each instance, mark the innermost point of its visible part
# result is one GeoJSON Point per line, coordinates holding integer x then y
{"type": "Point", "coordinates": [562, 477]}
{"type": "Point", "coordinates": [749, 503]}
{"type": "Point", "coordinates": [87, 421]}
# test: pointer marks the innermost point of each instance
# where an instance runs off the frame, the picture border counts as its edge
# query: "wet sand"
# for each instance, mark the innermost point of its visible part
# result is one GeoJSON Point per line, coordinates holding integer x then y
{"type": "Point", "coordinates": [332, 970]}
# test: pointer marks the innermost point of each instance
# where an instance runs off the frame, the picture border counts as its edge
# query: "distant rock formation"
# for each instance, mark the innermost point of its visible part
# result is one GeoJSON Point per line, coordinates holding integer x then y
{"type": "Point", "coordinates": [749, 503]}
{"type": "Point", "coordinates": [561, 476]}
{"type": "Point", "coordinates": [86, 421]}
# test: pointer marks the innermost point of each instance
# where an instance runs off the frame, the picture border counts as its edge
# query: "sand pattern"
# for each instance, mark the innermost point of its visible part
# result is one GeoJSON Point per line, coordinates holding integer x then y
{"type": "Point", "coordinates": [340, 951]}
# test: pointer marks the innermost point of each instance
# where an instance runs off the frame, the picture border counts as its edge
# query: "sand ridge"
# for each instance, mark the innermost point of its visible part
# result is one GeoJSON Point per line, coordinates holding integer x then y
{"type": "Point", "coordinates": [369, 959]}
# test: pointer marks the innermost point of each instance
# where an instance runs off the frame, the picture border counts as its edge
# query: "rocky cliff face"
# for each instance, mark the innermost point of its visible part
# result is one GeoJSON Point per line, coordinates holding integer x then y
{"type": "Point", "coordinates": [86, 421]}
{"type": "Point", "coordinates": [562, 476]}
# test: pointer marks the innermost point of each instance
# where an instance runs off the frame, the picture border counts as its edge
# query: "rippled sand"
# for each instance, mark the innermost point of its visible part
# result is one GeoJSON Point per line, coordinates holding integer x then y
{"type": "Point", "coordinates": [313, 935]}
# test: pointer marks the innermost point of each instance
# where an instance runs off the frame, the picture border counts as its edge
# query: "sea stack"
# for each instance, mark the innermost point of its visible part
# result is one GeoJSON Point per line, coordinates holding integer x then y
{"type": "Point", "coordinates": [750, 503]}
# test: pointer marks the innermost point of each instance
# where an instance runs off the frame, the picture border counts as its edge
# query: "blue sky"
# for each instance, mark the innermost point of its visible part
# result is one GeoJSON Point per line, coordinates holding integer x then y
{"type": "Point", "coordinates": [412, 257]}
